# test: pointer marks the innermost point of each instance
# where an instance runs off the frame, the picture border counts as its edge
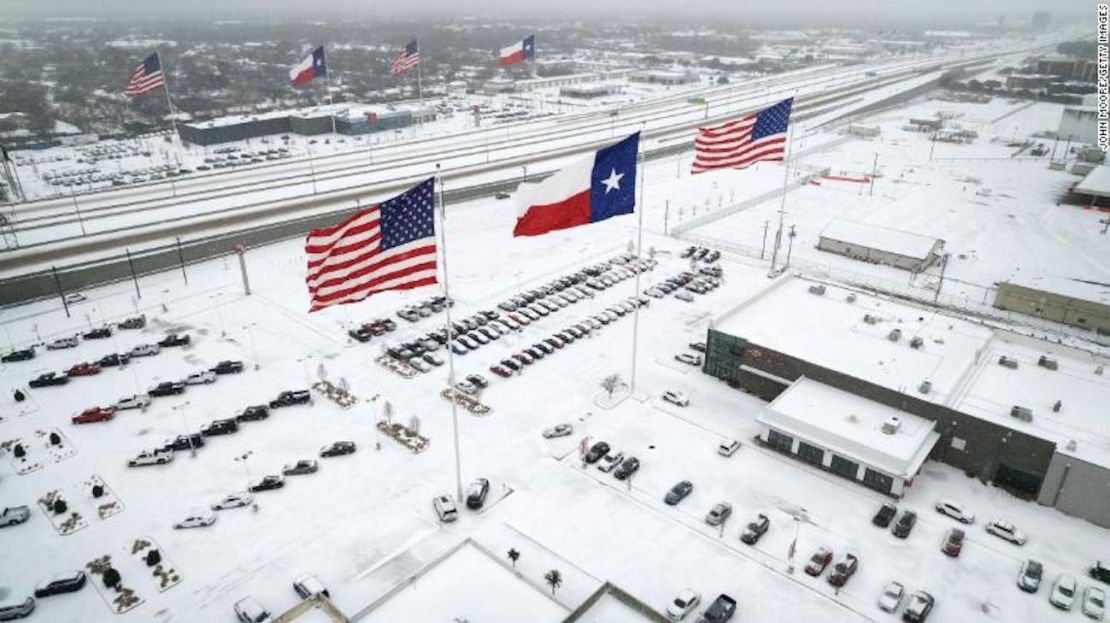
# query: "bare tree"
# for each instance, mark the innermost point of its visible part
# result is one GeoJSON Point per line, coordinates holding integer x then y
{"type": "Point", "coordinates": [554, 579]}
{"type": "Point", "coordinates": [612, 383]}
{"type": "Point", "coordinates": [387, 412]}
{"type": "Point", "coordinates": [514, 556]}
{"type": "Point", "coordinates": [414, 425]}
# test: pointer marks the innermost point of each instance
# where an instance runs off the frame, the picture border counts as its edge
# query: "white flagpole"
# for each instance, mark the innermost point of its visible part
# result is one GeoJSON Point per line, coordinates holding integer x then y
{"type": "Point", "coordinates": [639, 249]}
{"type": "Point", "coordinates": [782, 202]}
{"type": "Point", "coordinates": [327, 77]}
{"type": "Point", "coordinates": [450, 339]}
{"type": "Point", "coordinates": [419, 89]}
{"type": "Point", "coordinates": [166, 88]}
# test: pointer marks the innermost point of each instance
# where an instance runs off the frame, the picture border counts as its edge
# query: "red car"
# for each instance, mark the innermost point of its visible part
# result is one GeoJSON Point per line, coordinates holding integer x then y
{"type": "Point", "coordinates": [953, 542]}
{"type": "Point", "coordinates": [821, 559]}
{"type": "Point", "coordinates": [523, 358]}
{"type": "Point", "coordinates": [95, 414]}
{"type": "Point", "coordinates": [83, 369]}
{"type": "Point", "coordinates": [554, 342]}
{"type": "Point", "coordinates": [500, 371]}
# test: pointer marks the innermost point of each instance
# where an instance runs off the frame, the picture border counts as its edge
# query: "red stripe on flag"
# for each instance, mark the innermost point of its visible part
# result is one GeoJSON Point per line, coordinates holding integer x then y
{"type": "Point", "coordinates": [570, 212]}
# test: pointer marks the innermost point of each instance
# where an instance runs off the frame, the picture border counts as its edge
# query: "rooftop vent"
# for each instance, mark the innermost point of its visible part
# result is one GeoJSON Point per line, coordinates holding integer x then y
{"type": "Point", "coordinates": [1022, 413]}
{"type": "Point", "coordinates": [851, 298]}
{"type": "Point", "coordinates": [1098, 370]}
{"type": "Point", "coordinates": [1072, 445]}
{"type": "Point", "coordinates": [892, 425]}
{"type": "Point", "coordinates": [894, 335]}
{"type": "Point", "coordinates": [869, 319]}
{"type": "Point", "coordinates": [916, 342]}
{"type": "Point", "coordinates": [925, 387]}
{"type": "Point", "coordinates": [819, 290]}
{"type": "Point", "coordinates": [1008, 362]}
{"type": "Point", "coordinates": [1047, 362]}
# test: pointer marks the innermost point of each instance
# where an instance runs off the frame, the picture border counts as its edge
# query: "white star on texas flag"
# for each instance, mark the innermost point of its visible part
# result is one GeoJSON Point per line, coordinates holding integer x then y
{"type": "Point", "coordinates": [613, 182]}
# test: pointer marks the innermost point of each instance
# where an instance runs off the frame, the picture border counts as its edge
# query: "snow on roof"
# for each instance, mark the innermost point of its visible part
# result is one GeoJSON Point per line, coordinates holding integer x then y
{"type": "Point", "coordinates": [1097, 183]}
{"type": "Point", "coordinates": [872, 236]}
{"type": "Point", "coordinates": [1065, 286]}
{"type": "Point", "coordinates": [851, 426]}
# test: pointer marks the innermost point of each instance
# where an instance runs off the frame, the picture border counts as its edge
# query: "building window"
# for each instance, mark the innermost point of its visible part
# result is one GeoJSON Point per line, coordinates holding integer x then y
{"type": "Point", "coordinates": [844, 467]}
{"type": "Point", "coordinates": [811, 454]}
{"type": "Point", "coordinates": [958, 443]}
{"type": "Point", "coordinates": [877, 480]}
{"type": "Point", "coordinates": [780, 442]}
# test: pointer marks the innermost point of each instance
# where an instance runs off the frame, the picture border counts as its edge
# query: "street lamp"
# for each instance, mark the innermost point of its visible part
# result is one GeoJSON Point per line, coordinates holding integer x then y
{"type": "Point", "coordinates": [185, 420]}
{"type": "Point", "coordinates": [242, 458]}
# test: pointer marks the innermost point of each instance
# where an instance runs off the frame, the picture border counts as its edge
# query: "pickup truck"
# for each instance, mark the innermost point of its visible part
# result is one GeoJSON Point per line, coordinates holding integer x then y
{"type": "Point", "coordinates": [721, 610]}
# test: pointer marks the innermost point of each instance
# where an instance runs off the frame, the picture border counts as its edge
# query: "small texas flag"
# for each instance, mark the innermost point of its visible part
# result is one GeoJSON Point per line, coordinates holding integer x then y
{"type": "Point", "coordinates": [519, 52]}
{"type": "Point", "coordinates": [313, 66]}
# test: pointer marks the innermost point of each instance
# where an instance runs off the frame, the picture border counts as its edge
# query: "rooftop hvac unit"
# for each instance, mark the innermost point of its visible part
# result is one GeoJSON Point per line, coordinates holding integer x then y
{"type": "Point", "coordinates": [869, 319]}
{"type": "Point", "coordinates": [819, 290]}
{"type": "Point", "coordinates": [1022, 413]}
{"type": "Point", "coordinates": [892, 425]}
{"type": "Point", "coordinates": [916, 342]}
{"type": "Point", "coordinates": [894, 335]}
{"type": "Point", "coordinates": [1008, 362]}
{"type": "Point", "coordinates": [851, 298]}
{"type": "Point", "coordinates": [1047, 363]}
{"type": "Point", "coordinates": [925, 387]}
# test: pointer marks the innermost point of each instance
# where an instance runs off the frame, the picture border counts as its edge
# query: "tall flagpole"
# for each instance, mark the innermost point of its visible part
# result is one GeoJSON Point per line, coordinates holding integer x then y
{"type": "Point", "coordinates": [782, 202]}
{"type": "Point", "coordinates": [639, 250]}
{"type": "Point", "coordinates": [450, 339]}
{"type": "Point", "coordinates": [419, 89]}
{"type": "Point", "coordinates": [166, 88]}
{"type": "Point", "coordinates": [327, 76]}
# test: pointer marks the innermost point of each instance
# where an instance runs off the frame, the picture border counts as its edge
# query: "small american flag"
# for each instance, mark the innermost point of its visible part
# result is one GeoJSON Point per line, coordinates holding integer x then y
{"type": "Point", "coordinates": [146, 77]}
{"type": "Point", "coordinates": [389, 246]}
{"type": "Point", "coordinates": [740, 143]}
{"type": "Point", "coordinates": [406, 60]}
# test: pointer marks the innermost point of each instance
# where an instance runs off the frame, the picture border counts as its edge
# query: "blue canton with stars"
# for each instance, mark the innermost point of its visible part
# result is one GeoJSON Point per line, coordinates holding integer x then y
{"type": "Point", "coordinates": [774, 120]}
{"type": "Point", "coordinates": [408, 216]}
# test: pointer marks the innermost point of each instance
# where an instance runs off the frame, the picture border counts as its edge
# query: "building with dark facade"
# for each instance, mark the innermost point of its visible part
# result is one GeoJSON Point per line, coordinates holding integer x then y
{"type": "Point", "coordinates": [348, 119]}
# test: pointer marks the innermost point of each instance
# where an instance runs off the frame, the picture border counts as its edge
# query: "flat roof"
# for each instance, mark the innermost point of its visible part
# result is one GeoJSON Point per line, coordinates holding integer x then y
{"type": "Point", "coordinates": [851, 426]}
{"type": "Point", "coordinates": [896, 241]}
{"type": "Point", "coordinates": [1096, 183]}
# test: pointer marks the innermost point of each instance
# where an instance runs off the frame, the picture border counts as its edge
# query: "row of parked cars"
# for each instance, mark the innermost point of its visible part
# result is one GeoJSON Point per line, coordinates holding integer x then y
{"type": "Point", "coordinates": [700, 254]}
{"type": "Point", "coordinates": [369, 330]}
{"type": "Point", "coordinates": [596, 277]}
{"type": "Point", "coordinates": [685, 283]}
{"type": "Point", "coordinates": [86, 368]}
{"type": "Point", "coordinates": [606, 458]}
{"type": "Point", "coordinates": [424, 309]}
{"type": "Point", "coordinates": [476, 493]}
{"type": "Point", "coordinates": [26, 354]}
{"type": "Point", "coordinates": [67, 582]}
{"type": "Point", "coordinates": [249, 610]}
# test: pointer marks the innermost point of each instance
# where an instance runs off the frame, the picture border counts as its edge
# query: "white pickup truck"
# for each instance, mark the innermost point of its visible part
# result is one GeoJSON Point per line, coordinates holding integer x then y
{"type": "Point", "coordinates": [158, 456]}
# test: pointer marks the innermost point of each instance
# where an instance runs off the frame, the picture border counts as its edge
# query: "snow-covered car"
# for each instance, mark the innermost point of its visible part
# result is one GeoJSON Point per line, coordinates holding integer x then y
{"type": "Point", "coordinates": [1029, 578]}
{"type": "Point", "coordinates": [955, 510]}
{"type": "Point", "coordinates": [466, 387]}
{"type": "Point", "coordinates": [818, 561]}
{"type": "Point", "coordinates": [1006, 531]}
{"type": "Point", "coordinates": [268, 483]}
{"type": "Point", "coordinates": [610, 461]}
{"type": "Point", "coordinates": [303, 466]}
{"type": "Point", "coordinates": [74, 297]}
{"type": "Point", "coordinates": [60, 343]}
{"type": "Point", "coordinates": [137, 322]}
{"type": "Point", "coordinates": [308, 586]}
{"type": "Point", "coordinates": [728, 447]}
{"type": "Point", "coordinates": [419, 364]}
{"type": "Point", "coordinates": [843, 570]}
{"type": "Point", "coordinates": [200, 520]}
{"type": "Point", "coordinates": [138, 401]}
{"type": "Point", "coordinates": [1063, 591]}
{"type": "Point", "coordinates": [755, 529]}
{"type": "Point", "coordinates": [683, 604]}
{"type": "Point", "coordinates": [157, 456]}
{"type": "Point", "coordinates": [559, 430]}
{"type": "Point", "coordinates": [237, 499]}
{"type": "Point", "coordinates": [145, 350]}
{"type": "Point", "coordinates": [1094, 603]}
{"type": "Point", "coordinates": [248, 610]}
{"type": "Point", "coordinates": [920, 605]}
{"type": "Point", "coordinates": [684, 296]}
{"type": "Point", "coordinates": [16, 609]}
{"type": "Point", "coordinates": [445, 508]}
{"type": "Point", "coordinates": [676, 398]}
{"type": "Point", "coordinates": [202, 377]}
{"type": "Point", "coordinates": [338, 448]}
{"type": "Point", "coordinates": [891, 597]}
{"type": "Point", "coordinates": [13, 515]}
{"type": "Point", "coordinates": [718, 514]}
{"type": "Point", "coordinates": [687, 358]}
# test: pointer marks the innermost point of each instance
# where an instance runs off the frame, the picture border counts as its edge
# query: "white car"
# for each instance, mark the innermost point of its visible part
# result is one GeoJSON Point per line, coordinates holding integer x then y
{"type": "Point", "coordinates": [676, 398]}
{"type": "Point", "coordinates": [728, 447]}
{"type": "Point", "coordinates": [233, 500]}
{"type": "Point", "coordinates": [138, 401]}
{"type": "Point", "coordinates": [610, 461]}
{"type": "Point", "coordinates": [1006, 531]}
{"type": "Point", "coordinates": [202, 377]}
{"type": "Point", "coordinates": [196, 521]}
{"type": "Point", "coordinates": [955, 510]}
{"type": "Point", "coordinates": [683, 605]}
{"type": "Point", "coordinates": [247, 610]}
{"type": "Point", "coordinates": [309, 586]}
{"type": "Point", "coordinates": [560, 430]}
{"type": "Point", "coordinates": [892, 596]}
{"type": "Point", "coordinates": [465, 387]}
{"type": "Point", "coordinates": [445, 508]}
{"type": "Point", "coordinates": [158, 456]}
{"type": "Point", "coordinates": [145, 350]}
{"type": "Point", "coordinates": [687, 358]}
{"type": "Point", "coordinates": [1063, 592]}
{"type": "Point", "coordinates": [684, 296]}
{"type": "Point", "coordinates": [419, 364]}
{"type": "Point", "coordinates": [65, 342]}
{"type": "Point", "coordinates": [74, 297]}
{"type": "Point", "coordinates": [1094, 603]}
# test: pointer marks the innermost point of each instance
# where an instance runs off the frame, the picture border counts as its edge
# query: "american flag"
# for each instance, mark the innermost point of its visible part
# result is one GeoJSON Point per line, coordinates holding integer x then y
{"type": "Point", "coordinates": [406, 60]}
{"type": "Point", "coordinates": [742, 142]}
{"type": "Point", "coordinates": [146, 77]}
{"type": "Point", "coordinates": [389, 246]}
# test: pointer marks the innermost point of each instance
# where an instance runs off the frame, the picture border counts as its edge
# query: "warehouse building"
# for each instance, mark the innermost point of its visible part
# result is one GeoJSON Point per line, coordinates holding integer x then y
{"type": "Point", "coordinates": [1023, 414]}
{"type": "Point", "coordinates": [347, 119]}
{"type": "Point", "coordinates": [1079, 124]}
{"type": "Point", "coordinates": [879, 245]}
{"type": "Point", "coordinates": [1068, 301]}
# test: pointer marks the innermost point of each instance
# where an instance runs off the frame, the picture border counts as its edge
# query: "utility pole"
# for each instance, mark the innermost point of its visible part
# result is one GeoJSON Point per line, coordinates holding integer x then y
{"type": "Point", "coordinates": [874, 170]}
{"type": "Point", "coordinates": [763, 249]}
{"type": "Point", "coordinates": [790, 246]}
{"type": "Point", "coordinates": [667, 215]}
{"type": "Point", "coordinates": [134, 277]}
{"type": "Point", "coordinates": [181, 260]}
{"type": "Point", "coordinates": [943, 268]}
{"type": "Point", "coordinates": [241, 252]}
{"type": "Point", "coordinates": [62, 294]}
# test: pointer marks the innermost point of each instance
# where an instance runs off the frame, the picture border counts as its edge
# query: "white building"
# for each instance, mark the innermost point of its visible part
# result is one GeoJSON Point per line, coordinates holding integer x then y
{"type": "Point", "coordinates": [879, 245]}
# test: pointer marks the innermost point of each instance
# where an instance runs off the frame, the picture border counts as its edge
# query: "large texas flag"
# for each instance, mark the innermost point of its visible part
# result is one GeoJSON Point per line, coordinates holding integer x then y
{"type": "Point", "coordinates": [313, 66]}
{"type": "Point", "coordinates": [590, 190]}
{"type": "Point", "coordinates": [518, 52]}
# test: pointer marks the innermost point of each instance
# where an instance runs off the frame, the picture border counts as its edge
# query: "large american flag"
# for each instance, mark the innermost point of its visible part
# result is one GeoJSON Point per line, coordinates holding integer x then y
{"type": "Point", "coordinates": [146, 77]}
{"type": "Point", "coordinates": [408, 58]}
{"type": "Point", "coordinates": [389, 246]}
{"type": "Point", "coordinates": [740, 143]}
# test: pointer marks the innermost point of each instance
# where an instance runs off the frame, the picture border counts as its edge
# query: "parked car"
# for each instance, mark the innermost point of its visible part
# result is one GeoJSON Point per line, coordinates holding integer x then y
{"type": "Point", "coordinates": [1029, 578]}
{"type": "Point", "coordinates": [288, 398]}
{"type": "Point", "coordinates": [12, 515]}
{"type": "Point", "coordinates": [200, 520]}
{"type": "Point", "coordinates": [157, 456]}
{"type": "Point", "coordinates": [233, 500]}
{"type": "Point", "coordinates": [818, 561]}
{"type": "Point", "coordinates": [1006, 531]}
{"type": "Point", "coordinates": [268, 483]}
{"type": "Point", "coordinates": [627, 468]}
{"type": "Point", "coordinates": [501, 371]}
{"type": "Point", "coordinates": [94, 414]}
{"type": "Point", "coordinates": [17, 610]}
{"type": "Point", "coordinates": [596, 451]}
{"type": "Point", "coordinates": [676, 398]}
{"type": "Point", "coordinates": [683, 605]}
{"type": "Point", "coordinates": [113, 360]}
{"type": "Point", "coordinates": [98, 334]}
{"type": "Point", "coordinates": [419, 365]}
{"type": "Point", "coordinates": [69, 582]}
{"type": "Point", "coordinates": [1100, 571]}
{"type": "Point", "coordinates": [432, 359]}
{"type": "Point", "coordinates": [843, 570]}
{"type": "Point", "coordinates": [718, 514]}
{"type": "Point", "coordinates": [308, 586]}
{"type": "Point", "coordinates": [755, 529]}
{"type": "Point", "coordinates": [687, 358]}
{"type": "Point", "coordinates": [184, 442]}
{"type": "Point", "coordinates": [885, 514]}
{"type": "Point", "coordinates": [62, 343]}
{"type": "Point", "coordinates": [220, 427]}
{"type": "Point", "coordinates": [362, 333]}
{"type": "Point", "coordinates": [145, 350]}
{"type": "Point", "coordinates": [918, 608]}
{"type": "Point", "coordinates": [728, 447]}
{"type": "Point", "coordinates": [953, 542]}
{"type": "Point", "coordinates": [167, 388]}
{"type": "Point", "coordinates": [247, 610]}
{"type": "Point", "coordinates": [138, 401]}
{"type": "Point", "coordinates": [338, 448]}
{"type": "Point", "coordinates": [955, 510]}
{"type": "Point", "coordinates": [445, 508]}
{"type": "Point", "coordinates": [905, 524]}
{"type": "Point", "coordinates": [253, 413]}
{"type": "Point", "coordinates": [174, 339]}
{"type": "Point", "coordinates": [684, 296]}
{"type": "Point", "coordinates": [1063, 591]}
{"type": "Point", "coordinates": [721, 610]}
{"type": "Point", "coordinates": [83, 369]}
{"type": "Point", "coordinates": [228, 367]}
{"type": "Point", "coordinates": [892, 596]}
{"type": "Point", "coordinates": [476, 493]}
{"type": "Point", "coordinates": [47, 379]}
{"type": "Point", "coordinates": [610, 461]}
{"type": "Point", "coordinates": [559, 430]}
{"type": "Point", "coordinates": [1094, 603]}
{"type": "Point", "coordinates": [678, 492]}
{"type": "Point", "coordinates": [477, 381]}
{"type": "Point", "coordinates": [203, 377]}
{"type": "Point", "coordinates": [301, 467]}
{"type": "Point", "coordinates": [18, 355]}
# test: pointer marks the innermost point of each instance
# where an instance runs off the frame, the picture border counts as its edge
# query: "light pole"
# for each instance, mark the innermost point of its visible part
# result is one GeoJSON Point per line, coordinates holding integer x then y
{"type": "Point", "coordinates": [185, 420]}
{"type": "Point", "coordinates": [242, 458]}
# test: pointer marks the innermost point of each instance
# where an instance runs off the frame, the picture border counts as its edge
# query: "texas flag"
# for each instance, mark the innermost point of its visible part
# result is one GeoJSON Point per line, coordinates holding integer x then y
{"type": "Point", "coordinates": [590, 190]}
{"type": "Point", "coordinates": [312, 66]}
{"type": "Point", "coordinates": [519, 52]}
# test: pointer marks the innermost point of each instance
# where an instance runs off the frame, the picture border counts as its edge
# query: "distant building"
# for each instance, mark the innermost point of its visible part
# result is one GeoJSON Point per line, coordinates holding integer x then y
{"type": "Point", "coordinates": [1069, 301]}
{"type": "Point", "coordinates": [591, 91]}
{"type": "Point", "coordinates": [1027, 81]}
{"type": "Point", "coordinates": [664, 76]}
{"type": "Point", "coordinates": [347, 118]}
{"type": "Point", "coordinates": [1079, 124]}
{"type": "Point", "coordinates": [879, 245]}
{"type": "Point", "coordinates": [864, 131]}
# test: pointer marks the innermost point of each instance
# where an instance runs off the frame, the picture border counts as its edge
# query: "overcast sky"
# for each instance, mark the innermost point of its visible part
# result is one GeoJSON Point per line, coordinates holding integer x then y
{"type": "Point", "coordinates": [807, 12]}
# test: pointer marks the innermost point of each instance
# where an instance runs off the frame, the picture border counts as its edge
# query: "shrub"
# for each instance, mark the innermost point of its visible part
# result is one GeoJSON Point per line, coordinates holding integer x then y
{"type": "Point", "coordinates": [18, 451]}
{"type": "Point", "coordinates": [98, 491]}
{"type": "Point", "coordinates": [55, 439]}
{"type": "Point", "coordinates": [112, 578]}
{"type": "Point", "coordinates": [60, 507]}
{"type": "Point", "coordinates": [153, 558]}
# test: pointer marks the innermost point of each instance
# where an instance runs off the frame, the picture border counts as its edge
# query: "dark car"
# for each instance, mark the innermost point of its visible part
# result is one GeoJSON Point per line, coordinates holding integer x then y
{"type": "Point", "coordinates": [678, 492]}
{"type": "Point", "coordinates": [185, 442]}
{"type": "Point", "coordinates": [138, 322]}
{"type": "Point", "coordinates": [1100, 571]}
{"type": "Point", "coordinates": [253, 413]}
{"type": "Point", "coordinates": [817, 563]}
{"type": "Point", "coordinates": [19, 355]}
{"type": "Point", "coordinates": [721, 610]}
{"type": "Point", "coordinates": [98, 334]}
{"type": "Point", "coordinates": [501, 195]}
{"type": "Point", "coordinates": [596, 451]}
{"type": "Point", "coordinates": [886, 513]}
{"type": "Point", "coordinates": [220, 427]}
{"type": "Point", "coordinates": [755, 529]}
{"type": "Point", "coordinates": [64, 583]}
{"type": "Point", "coordinates": [476, 494]}
{"type": "Point", "coordinates": [627, 468]}
{"type": "Point", "coordinates": [228, 367]}
{"type": "Point", "coordinates": [47, 379]}
{"type": "Point", "coordinates": [904, 525]}
{"type": "Point", "coordinates": [174, 339]}
{"type": "Point", "coordinates": [17, 610]}
{"type": "Point", "coordinates": [477, 381]}
{"type": "Point", "coordinates": [338, 448]}
{"type": "Point", "coordinates": [953, 542]}
{"type": "Point", "coordinates": [114, 359]}
{"type": "Point", "coordinates": [362, 334]}
{"type": "Point", "coordinates": [918, 608]}
{"type": "Point", "coordinates": [301, 467]}
{"type": "Point", "coordinates": [285, 399]}
{"type": "Point", "coordinates": [268, 483]}
{"type": "Point", "coordinates": [844, 570]}
{"type": "Point", "coordinates": [501, 371]}
{"type": "Point", "coordinates": [167, 388]}
{"type": "Point", "coordinates": [510, 364]}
